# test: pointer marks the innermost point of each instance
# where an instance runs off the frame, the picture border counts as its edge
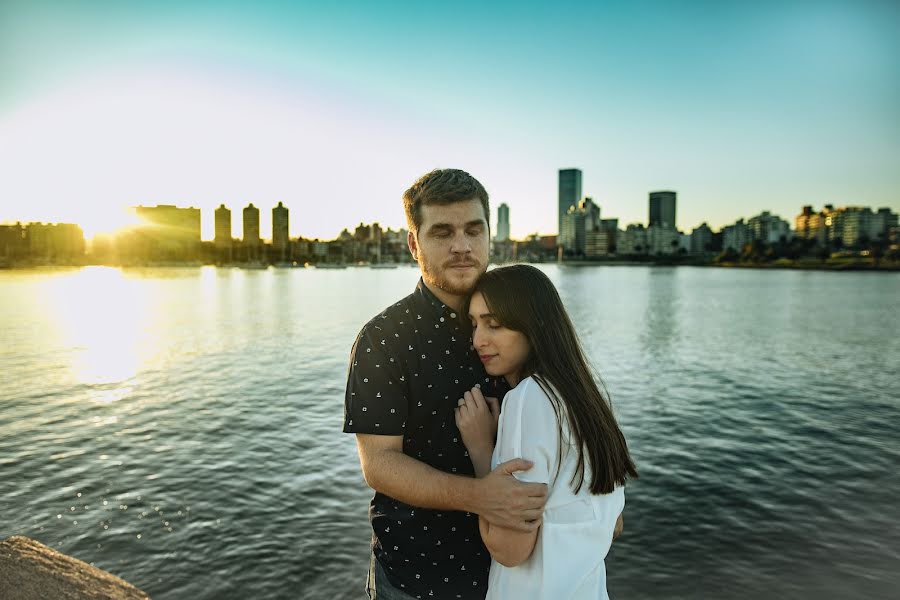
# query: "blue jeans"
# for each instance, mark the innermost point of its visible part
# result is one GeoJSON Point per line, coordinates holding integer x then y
{"type": "Point", "coordinates": [378, 586]}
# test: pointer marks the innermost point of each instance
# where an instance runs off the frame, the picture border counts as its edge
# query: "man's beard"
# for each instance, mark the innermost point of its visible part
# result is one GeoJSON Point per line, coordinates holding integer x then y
{"type": "Point", "coordinates": [437, 278]}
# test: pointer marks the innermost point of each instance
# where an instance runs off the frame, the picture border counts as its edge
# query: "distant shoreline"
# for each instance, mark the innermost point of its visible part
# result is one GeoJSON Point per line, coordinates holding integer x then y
{"type": "Point", "coordinates": [801, 265]}
{"type": "Point", "coordinates": [831, 264]}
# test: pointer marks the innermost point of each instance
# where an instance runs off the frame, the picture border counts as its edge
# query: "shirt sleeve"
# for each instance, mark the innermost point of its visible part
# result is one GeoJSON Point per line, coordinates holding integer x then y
{"type": "Point", "coordinates": [528, 429]}
{"type": "Point", "coordinates": [376, 397]}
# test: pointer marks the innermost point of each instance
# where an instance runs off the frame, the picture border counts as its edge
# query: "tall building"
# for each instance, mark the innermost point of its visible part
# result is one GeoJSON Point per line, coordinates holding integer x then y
{"type": "Point", "coordinates": [633, 240]}
{"type": "Point", "coordinates": [769, 228]}
{"type": "Point", "coordinates": [13, 243]}
{"type": "Point", "coordinates": [736, 236]}
{"type": "Point", "coordinates": [662, 239]}
{"type": "Point", "coordinates": [801, 221]}
{"type": "Point", "coordinates": [882, 222]}
{"type": "Point", "coordinates": [54, 241]}
{"type": "Point", "coordinates": [280, 236]}
{"type": "Point", "coordinates": [856, 225]}
{"type": "Point", "coordinates": [503, 250]}
{"type": "Point", "coordinates": [169, 233]}
{"type": "Point", "coordinates": [569, 193]}
{"type": "Point", "coordinates": [701, 239]}
{"type": "Point", "coordinates": [603, 239]}
{"type": "Point", "coordinates": [810, 225]}
{"type": "Point", "coordinates": [662, 209]}
{"type": "Point", "coordinates": [251, 225]}
{"type": "Point", "coordinates": [223, 226]}
{"type": "Point", "coordinates": [172, 222]}
{"type": "Point", "coordinates": [362, 233]}
{"type": "Point", "coordinates": [502, 223]}
{"type": "Point", "coordinates": [250, 240]}
{"type": "Point", "coordinates": [578, 221]}
{"type": "Point", "coordinates": [852, 225]}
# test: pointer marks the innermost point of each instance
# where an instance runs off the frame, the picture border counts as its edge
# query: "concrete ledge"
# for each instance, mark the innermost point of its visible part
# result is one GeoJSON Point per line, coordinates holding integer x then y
{"type": "Point", "coordinates": [30, 570]}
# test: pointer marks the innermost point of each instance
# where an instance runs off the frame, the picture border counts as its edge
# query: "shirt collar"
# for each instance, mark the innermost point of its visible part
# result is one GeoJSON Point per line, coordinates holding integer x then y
{"type": "Point", "coordinates": [440, 309]}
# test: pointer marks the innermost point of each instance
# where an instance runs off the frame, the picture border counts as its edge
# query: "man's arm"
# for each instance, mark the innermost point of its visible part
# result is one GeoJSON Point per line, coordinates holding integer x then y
{"type": "Point", "coordinates": [498, 497]}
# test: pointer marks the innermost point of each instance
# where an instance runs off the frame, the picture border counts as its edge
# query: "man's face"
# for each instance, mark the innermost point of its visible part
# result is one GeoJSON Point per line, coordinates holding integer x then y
{"type": "Point", "coordinates": [452, 245]}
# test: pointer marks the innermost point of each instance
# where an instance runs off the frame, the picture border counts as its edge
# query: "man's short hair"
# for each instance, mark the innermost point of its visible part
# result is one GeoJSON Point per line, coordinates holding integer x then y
{"type": "Point", "coordinates": [442, 186]}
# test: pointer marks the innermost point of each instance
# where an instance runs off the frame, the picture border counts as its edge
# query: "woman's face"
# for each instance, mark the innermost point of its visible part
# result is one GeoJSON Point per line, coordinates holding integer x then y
{"type": "Point", "coordinates": [503, 351]}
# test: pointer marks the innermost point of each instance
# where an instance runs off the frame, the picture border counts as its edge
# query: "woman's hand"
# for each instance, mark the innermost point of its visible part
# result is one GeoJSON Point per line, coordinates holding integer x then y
{"type": "Point", "coordinates": [477, 418]}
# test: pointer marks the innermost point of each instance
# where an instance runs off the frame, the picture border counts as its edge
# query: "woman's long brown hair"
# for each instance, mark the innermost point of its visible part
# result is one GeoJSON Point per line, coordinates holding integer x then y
{"type": "Point", "coordinates": [523, 298]}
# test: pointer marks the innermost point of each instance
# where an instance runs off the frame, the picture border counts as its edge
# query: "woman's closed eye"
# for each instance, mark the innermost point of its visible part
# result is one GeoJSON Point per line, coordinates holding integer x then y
{"type": "Point", "coordinates": [489, 325]}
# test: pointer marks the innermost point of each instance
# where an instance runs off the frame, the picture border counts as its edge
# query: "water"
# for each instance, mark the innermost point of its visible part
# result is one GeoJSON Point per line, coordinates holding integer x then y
{"type": "Point", "coordinates": [181, 427]}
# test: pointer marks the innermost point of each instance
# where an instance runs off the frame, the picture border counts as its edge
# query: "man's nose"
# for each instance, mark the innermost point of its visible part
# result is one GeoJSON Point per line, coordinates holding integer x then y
{"type": "Point", "coordinates": [461, 243]}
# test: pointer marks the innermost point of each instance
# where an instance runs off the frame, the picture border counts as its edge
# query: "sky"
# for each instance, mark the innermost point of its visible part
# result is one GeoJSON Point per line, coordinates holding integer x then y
{"type": "Point", "coordinates": [336, 108]}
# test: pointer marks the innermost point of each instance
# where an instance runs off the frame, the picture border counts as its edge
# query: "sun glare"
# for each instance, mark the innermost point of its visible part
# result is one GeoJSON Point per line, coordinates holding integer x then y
{"type": "Point", "coordinates": [107, 222]}
{"type": "Point", "coordinates": [102, 317]}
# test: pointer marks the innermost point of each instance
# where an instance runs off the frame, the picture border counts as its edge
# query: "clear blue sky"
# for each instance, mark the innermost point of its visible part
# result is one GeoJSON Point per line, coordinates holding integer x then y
{"type": "Point", "coordinates": [335, 109]}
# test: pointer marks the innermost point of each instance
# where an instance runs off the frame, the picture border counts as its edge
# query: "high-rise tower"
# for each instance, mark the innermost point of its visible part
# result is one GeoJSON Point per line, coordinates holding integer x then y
{"type": "Point", "coordinates": [223, 226]}
{"type": "Point", "coordinates": [280, 231]}
{"type": "Point", "coordinates": [251, 233]}
{"type": "Point", "coordinates": [502, 223]}
{"type": "Point", "coordinates": [569, 193]}
{"type": "Point", "coordinates": [251, 225]}
{"type": "Point", "coordinates": [662, 209]}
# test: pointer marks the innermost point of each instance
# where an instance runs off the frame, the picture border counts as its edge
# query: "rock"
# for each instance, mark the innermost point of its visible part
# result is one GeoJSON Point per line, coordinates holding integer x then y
{"type": "Point", "coordinates": [30, 570]}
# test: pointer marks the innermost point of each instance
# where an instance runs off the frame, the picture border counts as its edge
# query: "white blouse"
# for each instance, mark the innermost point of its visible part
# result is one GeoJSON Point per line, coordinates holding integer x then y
{"type": "Point", "coordinates": [577, 529]}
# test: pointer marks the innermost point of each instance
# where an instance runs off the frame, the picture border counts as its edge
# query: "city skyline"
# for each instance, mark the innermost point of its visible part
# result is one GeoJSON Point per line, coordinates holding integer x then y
{"type": "Point", "coordinates": [186, 221]}
{"type": "Point", "coordinates": [740, 108]}
{"type": "Point", "coordinates": [236, 220]}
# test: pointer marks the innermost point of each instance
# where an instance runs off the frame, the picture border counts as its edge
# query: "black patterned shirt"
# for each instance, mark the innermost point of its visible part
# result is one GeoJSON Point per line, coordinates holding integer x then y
{"type": "Point", "coordinates": [408, 367]}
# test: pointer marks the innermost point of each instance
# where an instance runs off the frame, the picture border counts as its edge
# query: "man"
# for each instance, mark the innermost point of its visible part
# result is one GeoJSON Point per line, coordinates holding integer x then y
{"type": "Point", "coordinates": [409, 366]}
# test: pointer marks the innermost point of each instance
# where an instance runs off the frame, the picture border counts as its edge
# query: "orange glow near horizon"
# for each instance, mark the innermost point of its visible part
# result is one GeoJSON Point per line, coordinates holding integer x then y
{"type": "Point", "coordinates": [108, 222]}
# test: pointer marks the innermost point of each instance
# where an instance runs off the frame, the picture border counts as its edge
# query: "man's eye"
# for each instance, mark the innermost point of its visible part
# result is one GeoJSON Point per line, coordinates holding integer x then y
{"type": "Point", "coordinates": [473, 231]}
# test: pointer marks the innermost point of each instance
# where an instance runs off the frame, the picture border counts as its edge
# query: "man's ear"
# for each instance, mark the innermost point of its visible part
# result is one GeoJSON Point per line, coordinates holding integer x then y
{"type": "Point", "coordinates": [413, 245]}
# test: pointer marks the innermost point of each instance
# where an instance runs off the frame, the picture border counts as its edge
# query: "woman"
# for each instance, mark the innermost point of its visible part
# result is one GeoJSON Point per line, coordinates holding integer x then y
{"type": "Point", "coordinates": [556, 417]}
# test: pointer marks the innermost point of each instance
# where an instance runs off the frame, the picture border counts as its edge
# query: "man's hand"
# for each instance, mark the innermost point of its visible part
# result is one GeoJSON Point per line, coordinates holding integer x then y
{"type": "Point", "coordinates": [477, 420]}
{"type": "Point", "coordinates": [620, 524]}
{"type": "Point", "coordinates": [507, 502]}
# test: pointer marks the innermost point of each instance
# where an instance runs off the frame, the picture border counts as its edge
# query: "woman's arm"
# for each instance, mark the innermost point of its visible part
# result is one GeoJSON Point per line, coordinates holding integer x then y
{"type": "Point", "coordinates": [508, 547]}
{"type": "Point", "coordinates": [476, 418]}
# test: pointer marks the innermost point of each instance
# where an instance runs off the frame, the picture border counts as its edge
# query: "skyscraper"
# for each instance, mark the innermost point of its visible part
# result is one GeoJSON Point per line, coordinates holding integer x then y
{"type": "Point", "coordinates": [168, 233]}
{"type": "Point", "coordinates": [578, 221]}
{"type": "Point", "coordinates": [569, 193]}
{"type": "Point", "coordinates": [280, 231]}
{"type": "Point", "coordinates": [502, 223]}
{"type": "Point", "coordinates": [662, 209]}
{"type": "Point", "coordinates": [251, 225]}
{"type": "Point", "coordinates": [170, 223]}
{"type": "Point", "coordinates": [223, 226]}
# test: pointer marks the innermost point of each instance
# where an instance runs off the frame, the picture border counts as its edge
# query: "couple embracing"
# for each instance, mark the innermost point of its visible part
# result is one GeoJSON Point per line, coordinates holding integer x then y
{"type": "Point", "coordinates": [475, 497]}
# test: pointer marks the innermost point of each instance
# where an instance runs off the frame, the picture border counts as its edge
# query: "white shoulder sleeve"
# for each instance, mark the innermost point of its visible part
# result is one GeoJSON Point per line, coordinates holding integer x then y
{"type": "Point", "coordinates": [528, 429]}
